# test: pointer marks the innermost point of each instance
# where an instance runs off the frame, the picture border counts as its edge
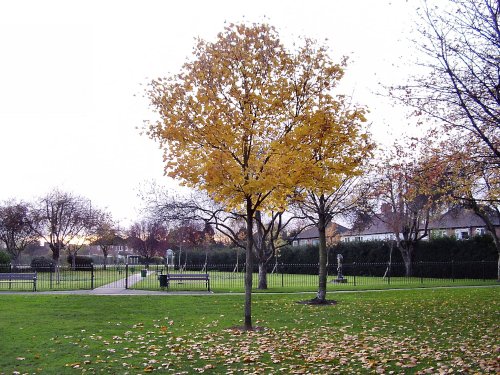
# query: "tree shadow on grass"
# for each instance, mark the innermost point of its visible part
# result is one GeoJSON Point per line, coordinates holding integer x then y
{"type": "Point", "coordinates": [239, 329]}
{"type": "Point", "coordinates": [318, 302]}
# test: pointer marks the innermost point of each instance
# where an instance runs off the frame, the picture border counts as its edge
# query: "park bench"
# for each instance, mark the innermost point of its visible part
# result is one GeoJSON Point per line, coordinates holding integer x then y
{"type": "Point", "coordinates": [167, 278]}
{"type": "Point", "coordinates": [18, 278]}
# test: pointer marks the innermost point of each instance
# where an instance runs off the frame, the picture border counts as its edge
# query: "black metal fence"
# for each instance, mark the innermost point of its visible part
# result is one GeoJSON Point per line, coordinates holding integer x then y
{"type": "Point", "coordinates": [230, 277]}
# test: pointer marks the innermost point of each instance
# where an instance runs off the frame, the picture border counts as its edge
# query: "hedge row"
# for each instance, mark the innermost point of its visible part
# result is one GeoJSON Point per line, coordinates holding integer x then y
{"type": "Point", "coordinates": [438, 250]}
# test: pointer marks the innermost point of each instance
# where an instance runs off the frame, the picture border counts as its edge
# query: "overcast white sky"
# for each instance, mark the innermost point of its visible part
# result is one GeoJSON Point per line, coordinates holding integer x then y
{"type": "Point", "coordinates": [71, 75]}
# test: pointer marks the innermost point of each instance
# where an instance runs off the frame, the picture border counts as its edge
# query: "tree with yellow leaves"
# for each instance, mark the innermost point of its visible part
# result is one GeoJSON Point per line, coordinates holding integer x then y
{"type": "Point", "coordinates": [339, 148]}
{"type": "Point", "coordinates": [236, 122]}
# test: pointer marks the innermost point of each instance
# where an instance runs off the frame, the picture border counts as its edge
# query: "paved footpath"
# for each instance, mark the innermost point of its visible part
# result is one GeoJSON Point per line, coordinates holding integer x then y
{"type": "Point", "coordinates": [117, 288]}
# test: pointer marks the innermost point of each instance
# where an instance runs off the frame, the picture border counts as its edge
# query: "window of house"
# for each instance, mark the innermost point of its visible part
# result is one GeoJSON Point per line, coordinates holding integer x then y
{"type": "Point", "coordinates": [462, 234]}
{"type": "Point", "coordinates": [295, 243]}
{"type": "Point", "coordinates": [439, 233]}
{"type": "Point", "coordinates": [480, 231]}
{"type": "Point", "coordinates": [358, 239]}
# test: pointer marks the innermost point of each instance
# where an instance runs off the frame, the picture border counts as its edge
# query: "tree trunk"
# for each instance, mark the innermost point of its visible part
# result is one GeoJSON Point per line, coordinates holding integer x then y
{"type": "Point", "coordinates": [322, 275]}
{"type": "Point", "coordinates": [105, 255]}
{"type": "Point", "coordinates": [15, 257]}
{"type": "Point", "coordinates": [262, 275]}
{"type": "Point", "coordinates": [321, 295]}
{"type": "Point", "coordinates": [498, 269]}
{"type": "Point", "coordinates": [489, 226]}
{"type": "Point", "coordinates": [406, 253]}
{"type": "Point", "coordinates": [56, 251]}
{"type": "Point", "coordinates": [387, 272]}
{"type": "Point", "coordinates": [496, 241]}
{"type": "Point", "coordinates": [260, 245]}
{"type": "Point", "coordinates": [248, 267]}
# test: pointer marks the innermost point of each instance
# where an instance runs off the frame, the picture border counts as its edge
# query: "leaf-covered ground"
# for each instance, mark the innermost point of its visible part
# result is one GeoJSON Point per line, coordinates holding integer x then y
{"type": "Point", "coordinates": [393, 332]}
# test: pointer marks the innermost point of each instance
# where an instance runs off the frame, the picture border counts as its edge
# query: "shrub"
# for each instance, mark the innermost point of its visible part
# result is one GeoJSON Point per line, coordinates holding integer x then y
{"type": "Point", "coordinates": [42, 264]}
{"type": "Point", "coordinates": [81, 262]}
{"type": "Point", "coordinates": [4, 257]}
{"type": "Point", "coordinates": [4, 262]}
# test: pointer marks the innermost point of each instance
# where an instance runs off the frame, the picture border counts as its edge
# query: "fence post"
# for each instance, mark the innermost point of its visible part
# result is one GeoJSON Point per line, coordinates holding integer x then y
{"type": "Point", "coordinates": [126, 276]}
{"type": "Point", "coordinates": [484, 275]}
{"type": "Point", "coordinates": [354, 271]}
{"type": "Point", "coordinates": [50, 277]}
{"type": "Point", "coordinates": [421, 272]}
{"type": "Point", "coordinates": [92, 276]}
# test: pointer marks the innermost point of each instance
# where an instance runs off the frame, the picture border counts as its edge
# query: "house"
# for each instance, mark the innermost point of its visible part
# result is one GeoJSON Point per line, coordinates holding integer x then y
{"type": "Point", "coordinates": [461, 223]}
{"type": "Point", "coordinates": [310, 236]}
{"type": "Point", "coordinates": [119, 252]}
{"type": "Point", "coordinates": [376, 230]}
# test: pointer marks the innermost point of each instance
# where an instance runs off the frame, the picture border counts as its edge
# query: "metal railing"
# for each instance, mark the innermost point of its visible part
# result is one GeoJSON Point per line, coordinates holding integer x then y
{"type": "Point", "coordinates": [230, 277]}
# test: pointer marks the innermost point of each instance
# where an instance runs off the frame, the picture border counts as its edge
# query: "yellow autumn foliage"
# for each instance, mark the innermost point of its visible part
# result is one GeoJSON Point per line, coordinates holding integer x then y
{"type": "Point", "coordinates": [249, 121]}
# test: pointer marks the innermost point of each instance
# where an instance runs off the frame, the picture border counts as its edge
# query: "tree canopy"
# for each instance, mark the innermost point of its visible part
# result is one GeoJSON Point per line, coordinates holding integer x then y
{"type": "Point", "coordinates": [15, 230]}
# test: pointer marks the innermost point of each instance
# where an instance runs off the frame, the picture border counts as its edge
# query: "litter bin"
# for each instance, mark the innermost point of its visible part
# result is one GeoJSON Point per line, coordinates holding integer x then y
{"type": "Point", "coordinates": [163, 281]}
{"type": "Point", "coordinates": [144, 273]}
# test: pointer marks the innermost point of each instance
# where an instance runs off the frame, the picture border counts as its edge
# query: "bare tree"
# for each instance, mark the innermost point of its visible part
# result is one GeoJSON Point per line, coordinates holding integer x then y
{"type": "Point", "coordinates": [60, 219]}
{"type": "Point", "coordinates": [92, 218]}
{"type": "Point", "coordinates": [460, 84]}
{"type": "Point", "coordinates": [15, 230]}
{"type": "Point", "coordinates": [105, 235]}
{"type": "Point", "coordinates": [459, 89]}
{"type": "Point", "coordinates": [147, 237]}
{"type": "Point", "coordinates": [191, 234]}
{"type": "Point", "coordinates": [320, 209]}
{"type": "Point", "coordinates": [269, 238]}
{"type": "Point", "coordinates": [470, 181]}
{"type": "Point", "coordinates": [407, 194]}
{"type": "Point", "coordinates": [195, 208]}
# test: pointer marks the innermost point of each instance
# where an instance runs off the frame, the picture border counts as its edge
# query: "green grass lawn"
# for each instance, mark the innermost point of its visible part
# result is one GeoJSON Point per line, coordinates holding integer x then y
{"type": "Point", "coordinates": [426, 331]}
